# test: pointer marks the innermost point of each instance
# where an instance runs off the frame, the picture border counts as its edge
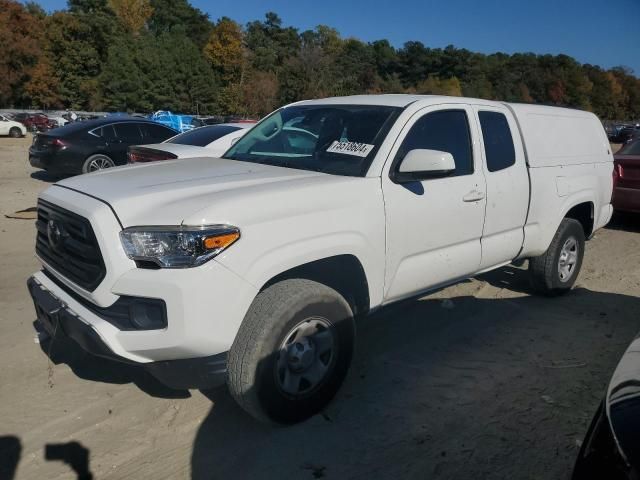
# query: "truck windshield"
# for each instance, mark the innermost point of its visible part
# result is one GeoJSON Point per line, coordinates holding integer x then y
{"type": "Point", "coordinates": [334, 139]}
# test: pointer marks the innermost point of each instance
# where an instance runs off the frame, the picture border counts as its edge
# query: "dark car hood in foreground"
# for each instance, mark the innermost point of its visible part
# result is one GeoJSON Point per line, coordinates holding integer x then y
{"type": "Point", "coordinates": [623, 403]}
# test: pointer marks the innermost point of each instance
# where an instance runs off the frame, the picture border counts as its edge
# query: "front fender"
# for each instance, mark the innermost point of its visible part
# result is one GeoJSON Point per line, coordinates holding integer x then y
{"type": "Point", "coordinates": [278, 259]}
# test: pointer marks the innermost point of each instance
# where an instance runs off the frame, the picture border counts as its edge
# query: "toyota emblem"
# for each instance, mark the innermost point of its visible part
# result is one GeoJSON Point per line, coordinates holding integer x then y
{"type": "Point", "coordinates": [55, 234]}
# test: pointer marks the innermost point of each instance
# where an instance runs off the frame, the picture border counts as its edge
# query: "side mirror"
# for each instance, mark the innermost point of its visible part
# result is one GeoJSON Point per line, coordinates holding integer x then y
{"type": "Point", "coordinates": [420, 164]}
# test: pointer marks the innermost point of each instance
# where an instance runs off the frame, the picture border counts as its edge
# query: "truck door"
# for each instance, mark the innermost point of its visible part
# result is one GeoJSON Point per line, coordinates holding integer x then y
{"type": "Point", "coordinates": [434, 226]}
{"type": "Point", "coordinates": [507, 185]}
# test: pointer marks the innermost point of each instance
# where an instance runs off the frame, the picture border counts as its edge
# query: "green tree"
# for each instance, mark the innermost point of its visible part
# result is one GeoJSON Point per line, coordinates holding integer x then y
{"type": "Point", "coordinates": [165, 72]}
{"type": "Point", "coordinates": [270, 44]}
{"type": "Point", "coordinates": [171, 14]}
{"type": "Point", "coordinates": [75, 60]}
{"type": "Point", "coordinates": [436, 86]}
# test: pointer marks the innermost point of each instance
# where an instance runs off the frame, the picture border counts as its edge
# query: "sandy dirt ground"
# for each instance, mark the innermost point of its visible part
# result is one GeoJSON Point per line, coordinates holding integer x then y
{"type": "Point", "coordinates": [481, 380]}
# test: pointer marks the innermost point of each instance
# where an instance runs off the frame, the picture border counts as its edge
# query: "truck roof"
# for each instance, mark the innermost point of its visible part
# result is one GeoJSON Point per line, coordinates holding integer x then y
{"type": "Point", "coordinates": [387, 99]}
{"type": "Point", "coordinates": [403, 99]}
{"type": "Point", "coordinates": [551, 135]}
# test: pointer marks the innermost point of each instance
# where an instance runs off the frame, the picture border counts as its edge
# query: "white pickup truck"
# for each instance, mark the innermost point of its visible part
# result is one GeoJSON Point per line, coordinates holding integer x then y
{"type": "Point", "coordinates": [251, 268]}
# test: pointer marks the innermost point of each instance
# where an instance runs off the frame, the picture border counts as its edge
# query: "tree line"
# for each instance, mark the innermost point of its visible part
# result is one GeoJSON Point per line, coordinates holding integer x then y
{"type": "Point", "coordinates": [145, 55]}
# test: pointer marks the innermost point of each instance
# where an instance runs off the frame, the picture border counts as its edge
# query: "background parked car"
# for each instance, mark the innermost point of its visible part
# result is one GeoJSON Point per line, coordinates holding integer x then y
{"type": "Point", "coordinates": [625, 133]}
{"type": "Point", "coordinates": [35, 121]}
{"type": "Point", "coordinates": [613, 130]}
{"type": "Point", "coordinates": [82, 147]}
{"type": "Point", "coordinates": [209, 141]}
{"type": "Point", "coordinates": [11, 127]}
{"type": "Point", "coordinates": [626, 178]}
{"type": "Point", "coordinates": [59, 120]}
{"type": "Point", "coordinates": [217, 119]}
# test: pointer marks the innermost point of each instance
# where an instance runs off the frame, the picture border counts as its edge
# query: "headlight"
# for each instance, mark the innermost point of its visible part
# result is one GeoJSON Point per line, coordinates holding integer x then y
{"type": "Point", "coordinates": [177, 247]}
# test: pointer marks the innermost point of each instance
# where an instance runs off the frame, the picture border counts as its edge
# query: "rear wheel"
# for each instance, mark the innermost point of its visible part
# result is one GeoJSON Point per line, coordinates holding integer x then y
{"type": "Point", "coordinates": [292, 351]}
{"type": "Point", "coordinates": [555, 271]}
{"type": "Point", "coordinates": [15, 132]}
{"type": "Point", "coordinates": [97, 162]}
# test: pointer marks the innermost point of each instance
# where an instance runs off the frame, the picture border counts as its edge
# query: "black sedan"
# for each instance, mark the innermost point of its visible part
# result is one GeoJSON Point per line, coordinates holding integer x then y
{"type": "Point", "coordinates": [83, 147]}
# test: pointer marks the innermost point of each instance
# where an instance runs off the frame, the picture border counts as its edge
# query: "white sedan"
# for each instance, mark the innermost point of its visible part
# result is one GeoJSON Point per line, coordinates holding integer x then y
{"type": "Point", "coordinates": [208, 141]}
{"type": "Point", "coordinates": [59, 119]}
{"type": "Point", "coordinates": [12, 128]}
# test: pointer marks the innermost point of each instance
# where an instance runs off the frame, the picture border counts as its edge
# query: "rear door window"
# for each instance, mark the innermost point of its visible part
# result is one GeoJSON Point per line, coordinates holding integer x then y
{"type": "Point", "coordinates": [155, 133]}
{"type": "Point", "coordinates": [106, 132]}
{"type": "Point", "coordinates": [128, 132]}
{"type": "Point", "coordinates": [498, 142]}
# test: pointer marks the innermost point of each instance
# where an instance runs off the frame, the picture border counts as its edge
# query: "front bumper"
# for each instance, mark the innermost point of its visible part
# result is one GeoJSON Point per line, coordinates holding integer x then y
{"type": "Point", "coordinates": [57, 319]}
{"type": "Point", "coordinates": [205, 305]}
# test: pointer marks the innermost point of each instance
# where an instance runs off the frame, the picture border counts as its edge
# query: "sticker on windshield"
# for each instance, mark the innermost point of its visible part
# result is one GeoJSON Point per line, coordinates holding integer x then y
{"type": "Point", "coordinates": [350, 148]}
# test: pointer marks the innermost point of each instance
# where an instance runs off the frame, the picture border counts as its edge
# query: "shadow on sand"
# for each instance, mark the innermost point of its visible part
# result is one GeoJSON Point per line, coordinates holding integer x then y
{"type": "Point", "coordinates": [44, 176]}
{"type": "Point", "coordinates": [97, 369]}
{"type": "Point", "coordinates": [484, 388]}
{"type": "Point", "coordinates": [473, 388]}
{"type": "Point", "coordinates": [628, 222]}
{"type": "Point", "coordinates": [74, 454]}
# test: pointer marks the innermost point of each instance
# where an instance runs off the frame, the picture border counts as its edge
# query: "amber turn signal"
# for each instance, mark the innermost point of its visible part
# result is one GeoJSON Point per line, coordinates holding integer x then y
{"type": "Point", "coordinates": [220, 241]}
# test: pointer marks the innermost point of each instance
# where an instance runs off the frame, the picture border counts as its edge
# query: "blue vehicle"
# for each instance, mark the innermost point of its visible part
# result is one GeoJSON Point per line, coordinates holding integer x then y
{"type": "Point", "coordinates": [182, 123]}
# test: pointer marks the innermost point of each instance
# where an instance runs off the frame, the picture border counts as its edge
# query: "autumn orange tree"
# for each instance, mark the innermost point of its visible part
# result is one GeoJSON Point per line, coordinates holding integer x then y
{"type": "Point", "coordinates": [226, 52]}
{"type": "Point", "coordinates": [133, 14]}
{"type": "Point", "coordinates": [20, 38]}
{"type": "Point", "coordinates": [42, 87]}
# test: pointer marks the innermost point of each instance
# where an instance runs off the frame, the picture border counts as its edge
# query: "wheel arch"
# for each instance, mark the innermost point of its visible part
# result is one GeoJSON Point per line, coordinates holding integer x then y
{"type": "Point", "coordinates": [583, 212]}
{"type": "Point", "coordinates": [344, 273]}
{"type": "Point", "coordinates": [539, 234]}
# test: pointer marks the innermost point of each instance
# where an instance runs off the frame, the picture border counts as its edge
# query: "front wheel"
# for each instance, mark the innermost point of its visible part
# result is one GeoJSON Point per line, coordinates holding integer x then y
{"type": "Point", "coordinates": [97, 162]}
{"type": "Point", "coordinates": [292, 351]}
{"type": "Point", "coordinates": [555, 271]}
{"type": "Point", "coordinates": [15, 132]}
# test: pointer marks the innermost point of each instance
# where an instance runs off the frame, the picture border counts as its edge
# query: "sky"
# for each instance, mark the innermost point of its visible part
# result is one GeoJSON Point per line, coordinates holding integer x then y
{"type": "Point", "coordinates": [600, 32]}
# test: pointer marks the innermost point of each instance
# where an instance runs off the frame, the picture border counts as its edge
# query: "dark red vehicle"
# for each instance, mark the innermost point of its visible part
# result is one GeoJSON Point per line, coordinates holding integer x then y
{"type": "Point", "coordinates": [626, 178]}
{"type": "Point", "coordinates": [35, 121]}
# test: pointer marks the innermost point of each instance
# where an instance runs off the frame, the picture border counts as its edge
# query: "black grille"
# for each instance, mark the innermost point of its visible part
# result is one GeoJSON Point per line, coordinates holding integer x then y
{"type": "Point", "coordinates": [66, 242]}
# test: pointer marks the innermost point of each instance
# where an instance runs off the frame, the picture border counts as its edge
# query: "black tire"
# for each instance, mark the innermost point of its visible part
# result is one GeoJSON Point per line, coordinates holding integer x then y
{"type": "Point", "coordinates": [97, 162]}
{"type": "Point", "coordinates": [15, 132]}
{"type": "Point", "coordinates": [545, 270]}
{"type": "Point", "coordinates": [255, 358]}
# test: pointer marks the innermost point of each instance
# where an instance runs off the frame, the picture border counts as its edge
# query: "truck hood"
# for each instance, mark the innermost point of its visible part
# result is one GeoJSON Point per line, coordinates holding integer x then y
{"type": "Point", "coordinates": [198, 191]}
